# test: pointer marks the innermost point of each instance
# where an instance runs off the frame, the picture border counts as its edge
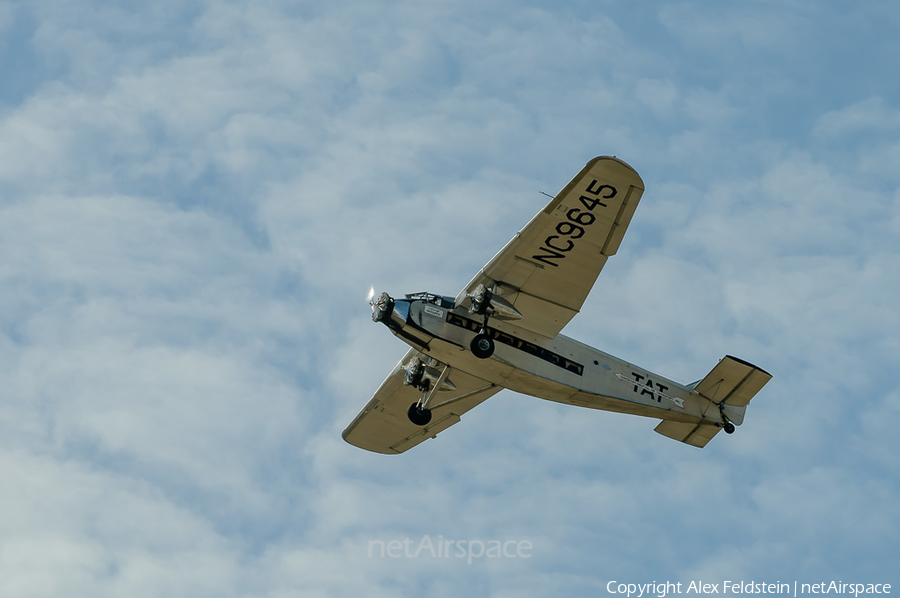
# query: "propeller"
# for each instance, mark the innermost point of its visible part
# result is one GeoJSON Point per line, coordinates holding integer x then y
{"type": "Point", "coordinates": [370, 298]}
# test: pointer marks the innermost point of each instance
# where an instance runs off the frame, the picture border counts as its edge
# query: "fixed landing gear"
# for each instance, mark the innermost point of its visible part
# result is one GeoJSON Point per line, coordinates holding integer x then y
{"type": "Point", "coordinates": [727, 426]}
{"type": "Point", "coordinates": [482, 346]}
{"type": "Point", "coordinates": [417, 415]}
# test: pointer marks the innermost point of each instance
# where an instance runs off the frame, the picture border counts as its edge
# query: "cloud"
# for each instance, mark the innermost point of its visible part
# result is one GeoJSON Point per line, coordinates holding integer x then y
{"type": "Point", "coordinates": [658, 95]}
{"type": "Point", "coordinates": [79, 530]}
{"type": "Point", "coordinates": [871, 114]}
{"type": "Point", "coordinates": [195, 199]}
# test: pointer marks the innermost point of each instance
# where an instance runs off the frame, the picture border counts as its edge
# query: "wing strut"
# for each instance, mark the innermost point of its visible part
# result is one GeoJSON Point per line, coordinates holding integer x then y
{"type": "Point", "coordinates": [428, 396]}
{"type": "Point", "coordinates": [471, 393]}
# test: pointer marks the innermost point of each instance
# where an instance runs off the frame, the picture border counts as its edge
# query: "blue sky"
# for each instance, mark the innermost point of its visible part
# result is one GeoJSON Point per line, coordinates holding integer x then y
{"type": "Point", "coordinates": [195, 197]}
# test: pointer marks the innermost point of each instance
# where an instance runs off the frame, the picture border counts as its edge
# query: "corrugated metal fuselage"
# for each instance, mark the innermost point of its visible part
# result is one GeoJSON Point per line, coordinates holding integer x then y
{"type": "Point", "coordinates": [559, 369]}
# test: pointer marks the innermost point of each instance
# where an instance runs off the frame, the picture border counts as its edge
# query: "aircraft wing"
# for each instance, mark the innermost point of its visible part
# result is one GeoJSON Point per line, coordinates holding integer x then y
{"type": "Point", "coordinates": [383, 426]}
{"type": "Point", "coordinates": [547, 270]}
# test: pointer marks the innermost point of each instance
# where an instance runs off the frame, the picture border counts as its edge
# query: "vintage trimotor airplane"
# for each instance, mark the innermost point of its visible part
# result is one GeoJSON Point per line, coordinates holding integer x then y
{"type": "Point", "coordinates": [503, 331]}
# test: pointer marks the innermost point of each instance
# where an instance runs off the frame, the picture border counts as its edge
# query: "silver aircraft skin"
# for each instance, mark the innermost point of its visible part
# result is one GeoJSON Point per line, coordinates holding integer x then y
{"type": "Point", "coordinates": [503, 331]}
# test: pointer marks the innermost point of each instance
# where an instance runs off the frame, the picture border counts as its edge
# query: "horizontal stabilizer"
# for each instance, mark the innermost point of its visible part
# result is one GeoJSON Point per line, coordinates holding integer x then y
{"type": "Point", "coordinates": [694, 434]}
{"type": "Point", "coordinates": [731, 385]}
{"type": "Point", "coordinates": [733, 381]}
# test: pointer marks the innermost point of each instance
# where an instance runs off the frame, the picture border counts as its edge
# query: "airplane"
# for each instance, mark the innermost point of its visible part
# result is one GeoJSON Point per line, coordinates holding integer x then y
{"type": "Point", "coordinates": [503, 331]}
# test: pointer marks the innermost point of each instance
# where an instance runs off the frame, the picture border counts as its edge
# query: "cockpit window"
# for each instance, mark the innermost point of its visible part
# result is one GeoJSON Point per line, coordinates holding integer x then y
{"type": "Point", "coordinates": [445, 302]}
{"type": "Point", "coordinates": [401, 308]}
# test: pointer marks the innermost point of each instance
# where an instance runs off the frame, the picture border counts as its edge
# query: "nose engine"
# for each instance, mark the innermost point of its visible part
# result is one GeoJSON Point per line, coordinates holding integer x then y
{"type": "Point", "coordinates": [382, 306]}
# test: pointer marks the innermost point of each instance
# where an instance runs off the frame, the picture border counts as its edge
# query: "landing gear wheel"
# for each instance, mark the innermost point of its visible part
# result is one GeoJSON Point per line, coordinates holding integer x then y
{"type": "Point", "coordinates": [482, 346]}
{"type": "Point", "coordinates": [420, 417]}
{"type": "Point", "coordinates": [728, 427]}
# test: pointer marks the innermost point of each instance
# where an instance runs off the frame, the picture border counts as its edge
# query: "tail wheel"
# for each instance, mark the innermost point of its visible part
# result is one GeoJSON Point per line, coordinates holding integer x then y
{"type": "Point", "coordinates": [482, 346]}
{"type": "Point", "coordinates": [418, 416]}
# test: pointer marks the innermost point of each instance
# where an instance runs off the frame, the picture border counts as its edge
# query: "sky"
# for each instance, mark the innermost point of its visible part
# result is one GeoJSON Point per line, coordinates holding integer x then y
{"type": "Point", "coordinates": [195, 197]}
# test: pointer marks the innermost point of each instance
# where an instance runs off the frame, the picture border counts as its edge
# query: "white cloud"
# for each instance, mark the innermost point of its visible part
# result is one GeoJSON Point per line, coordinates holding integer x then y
{"type": "Point", "coordinates": [719, 27]}
{"type": "Point", "coordinates": [869, 115]}
{"type": "Point", "coordinates": [70, 528]}
{"type": "Point", "coordinates": [195, 200]}
{"type": "Point", "coordinates": [658, 95]}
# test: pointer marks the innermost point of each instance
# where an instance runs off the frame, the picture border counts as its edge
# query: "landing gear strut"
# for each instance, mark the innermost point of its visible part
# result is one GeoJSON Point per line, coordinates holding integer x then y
{"type": "Point", "coordinates": [415, 376]}
{"type": "Point", "coordinates": [482, 345]}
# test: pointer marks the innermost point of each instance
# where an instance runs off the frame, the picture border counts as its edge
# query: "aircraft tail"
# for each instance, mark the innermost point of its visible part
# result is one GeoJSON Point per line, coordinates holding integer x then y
{"type": "Point", "coordinates": [731, 384]}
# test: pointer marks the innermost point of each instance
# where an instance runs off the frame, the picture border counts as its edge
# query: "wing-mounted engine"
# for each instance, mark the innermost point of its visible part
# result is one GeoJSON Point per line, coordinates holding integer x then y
{"type": "Point", "coordinates": [489, 303]}
{"type": "Point", "coordinates": [425, 377]}
{"type": "Point", "coordinates": [415, 370]}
